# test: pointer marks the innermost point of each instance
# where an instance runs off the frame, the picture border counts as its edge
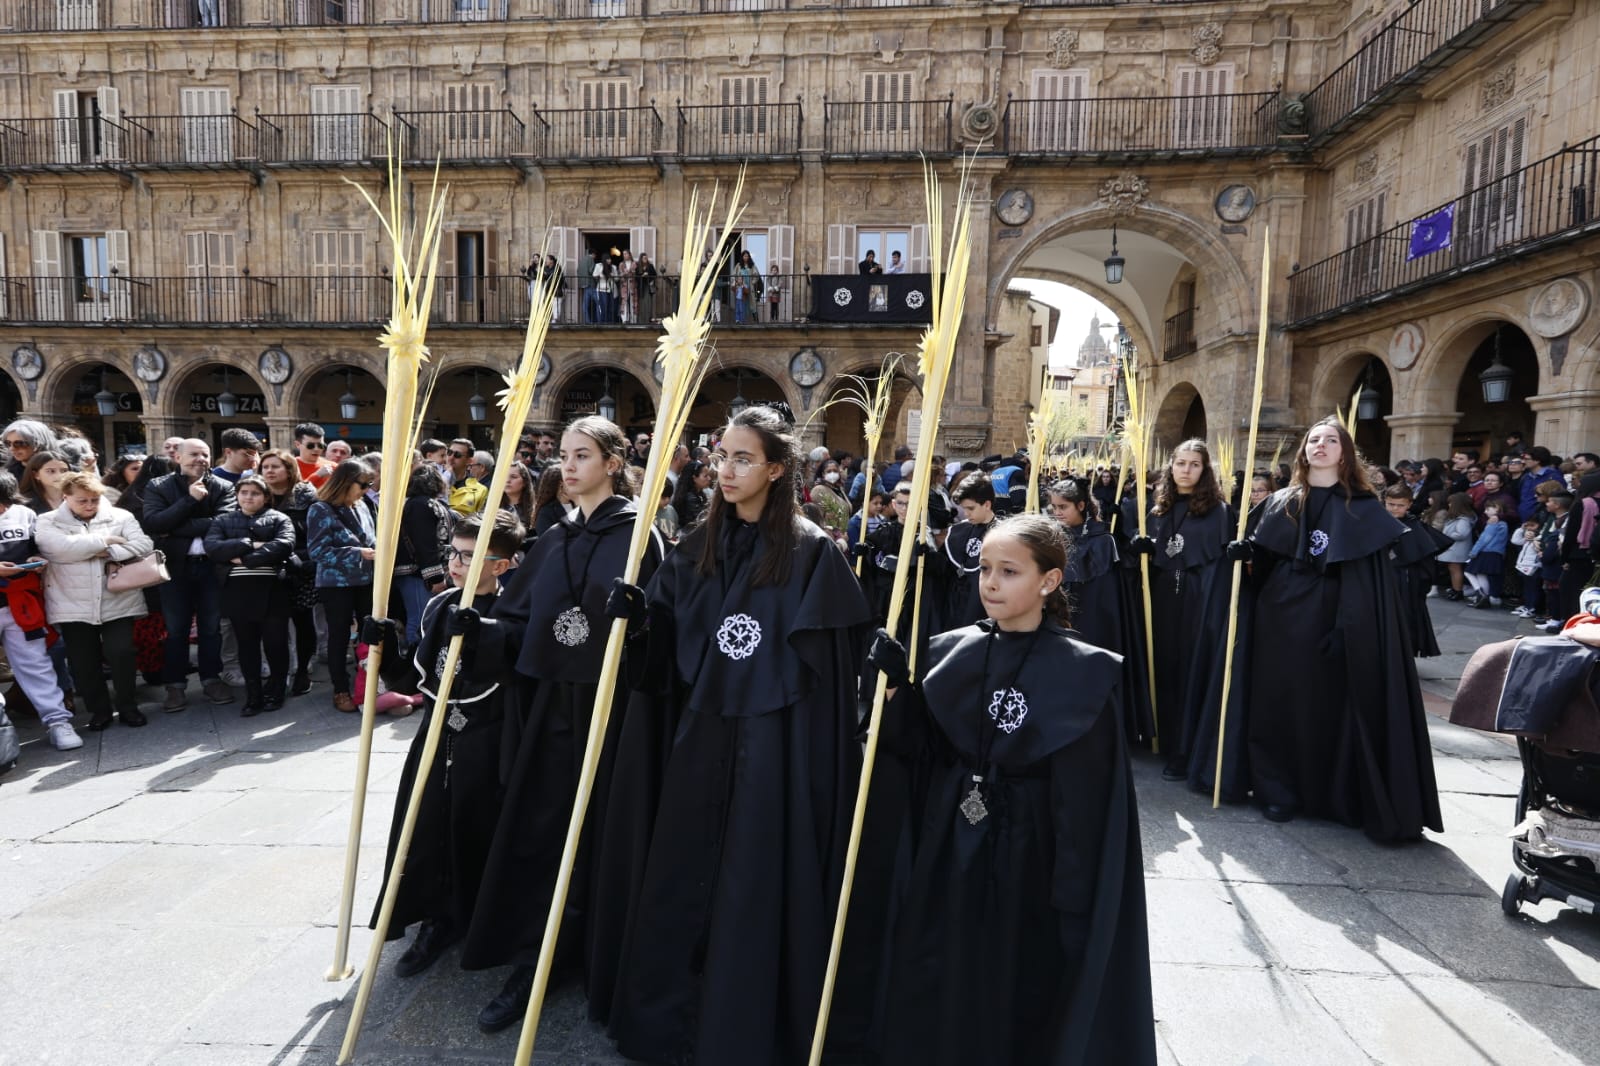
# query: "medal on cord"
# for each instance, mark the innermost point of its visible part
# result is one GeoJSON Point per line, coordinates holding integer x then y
{"type": "Point", "coordinates": [1006, 712]}
{"type": "Point", "coordinates": [572, 625]}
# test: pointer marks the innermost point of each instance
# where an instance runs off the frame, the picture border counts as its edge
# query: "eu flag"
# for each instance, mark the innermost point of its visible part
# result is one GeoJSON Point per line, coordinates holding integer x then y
{"type": "Point", "coordinates": [1431, 233]}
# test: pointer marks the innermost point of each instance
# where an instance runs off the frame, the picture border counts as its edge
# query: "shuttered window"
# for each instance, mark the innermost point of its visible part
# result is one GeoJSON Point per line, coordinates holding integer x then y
{"type": "Point", "coordinates": [211, 276]}
{"type": "Point", "coordinates": [605, 115]}
{"type": "Point", "coordinates": [473, 120]}
{"type": "Point", "coordinates": [744, 100]}
{"type": "Point", "coordinates": [1364, 267]}
{"type": "Point", "coordinates": [207, 125]}
{"type": "Point", "coordinates": [1492, 190]}
{"type": "Point", "coordinates": [1056, 110]}
{"type": "Point", "coordinates": [1203, 117]}
{"type": "Point", "coordinates": [336, 122]}
{"type": "Point", "coordinates": [338, 260]}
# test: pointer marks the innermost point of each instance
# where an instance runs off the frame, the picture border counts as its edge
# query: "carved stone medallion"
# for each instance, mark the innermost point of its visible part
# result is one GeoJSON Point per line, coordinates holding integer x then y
{"type": "Point", "coordinates": [1558, 308]}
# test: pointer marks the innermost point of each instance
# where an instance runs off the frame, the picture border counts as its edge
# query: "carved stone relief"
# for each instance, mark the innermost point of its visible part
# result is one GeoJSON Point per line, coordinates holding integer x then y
{"type": "Point", "coordinates": [1207, 39]}
{"type": "Point", "coordinates": [1499, 86]}
{"type": "Point", "coordinates": [1063, 48]}
{"type": "Point", "coordinates": [1559, 308]}
{"type": "Point", "coordinates": [1124, 193]}
{"type": "Point", "coordinates": [1367, 167]}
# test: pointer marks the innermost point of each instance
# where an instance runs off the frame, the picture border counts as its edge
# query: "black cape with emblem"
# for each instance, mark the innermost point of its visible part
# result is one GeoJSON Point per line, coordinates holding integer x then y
{"type": "Point", "coordinates": [958, 569]}
{"type": "Point", "coordinates": [726, 948]}
{"type": "Point", "coordinates": [1021, 940]}
{"type": "Point", "coordinates": [1337, 727]}
{"type": "Point", "coordinates": [450, 845]}
{"type": "Point", "coordinates": [544, 738]}
{"type": "Point", "coordinates": [1189, 585]}
{"type": "Point", "coordinates": [1097, 590]}
{"type": "Point", "coordinates": [1415, 570]}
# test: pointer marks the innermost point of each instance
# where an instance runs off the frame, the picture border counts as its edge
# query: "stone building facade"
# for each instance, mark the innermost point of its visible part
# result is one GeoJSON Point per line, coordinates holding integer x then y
{"type": "Point", "coordinates": [177, 220]}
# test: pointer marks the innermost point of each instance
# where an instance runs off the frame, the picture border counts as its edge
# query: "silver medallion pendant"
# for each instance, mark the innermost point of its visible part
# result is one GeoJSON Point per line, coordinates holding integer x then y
{"type": "Point", "coordinates": [972, 807]}
{"type": "Point", "coordinates": [457, 721]}
{"type": "Point", "coordinates": [1175, 545]}
{"type": "Point", "coordinates": [571, 627]}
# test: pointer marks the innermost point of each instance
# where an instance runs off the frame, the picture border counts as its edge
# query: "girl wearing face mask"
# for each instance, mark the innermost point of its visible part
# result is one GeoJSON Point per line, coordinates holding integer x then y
{"type": "Point", "coordinates": [828, 493]}
{"type": "Point", "coordinates": [1336, 727]}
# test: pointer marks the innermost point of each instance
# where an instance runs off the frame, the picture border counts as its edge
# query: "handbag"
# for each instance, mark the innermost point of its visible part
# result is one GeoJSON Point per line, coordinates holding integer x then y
{"type": "Point", "coordinates": [137, 574]}
{"type": "Point", "coordinates": [10, 747]}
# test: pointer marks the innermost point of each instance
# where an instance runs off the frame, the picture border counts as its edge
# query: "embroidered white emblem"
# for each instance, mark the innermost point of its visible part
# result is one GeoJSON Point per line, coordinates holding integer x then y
{"type": "Point", "coordinates": [1319, 542]}
{"type": "Point", "coordinates": [1175, 545]}
{"type": "Point", "coordinates": [1008, 709]}
{"type": "Point", "coordinates": [915, 299]}
{"type": "Point", "coordinates": [739, 636]}
{"type": "Point", "coordinates": [974, 548]}
{"type": "Point", "coordinates": [842, 296]}
{"type": "Point", "coordinates": [572, 627]}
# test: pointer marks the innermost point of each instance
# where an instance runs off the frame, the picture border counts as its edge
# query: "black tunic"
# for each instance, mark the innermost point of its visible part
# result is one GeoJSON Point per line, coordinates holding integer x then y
{"type": "Point", "coordinates": [1022, 939]}
{"type": "Point", "coordinates": [725, 953]}
{"type": "Point", "coordinates": [1337, 727]}
{"type": "Point", "coordinates": [455, 823]}
{"type": "Point", "coordinates": [1415, 570]}
{"type": "Point", "coordinates": [1098, 591]}
{"type": "Point", "coordinates": [962, 547]}
{"type": "Point", "coordinates": [1189, 584]}
{"type": "Point", "coordinates": [544, 738]}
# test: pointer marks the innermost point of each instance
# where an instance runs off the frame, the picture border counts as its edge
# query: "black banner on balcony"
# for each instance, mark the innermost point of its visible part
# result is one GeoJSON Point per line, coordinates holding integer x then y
{"type": "Point", "coordinates": [888, 298]}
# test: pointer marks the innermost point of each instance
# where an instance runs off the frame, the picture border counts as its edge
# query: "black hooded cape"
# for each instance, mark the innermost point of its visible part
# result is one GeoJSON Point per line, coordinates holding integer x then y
{"type": "Point", "coordinates": [544, 737]}
{"type": "Point", "coordinates": [963, 544]}
{"type": "Point", "coordinates": [450, 846]}
{"type": "Point", "coordinates": [725, 950]}
{"type": "Point", "coordinates": [1021, 939]}
{"type": "Point", "coordinates": [1337, 727]}
{"type": "Point", "coordinates": [1415, 570]}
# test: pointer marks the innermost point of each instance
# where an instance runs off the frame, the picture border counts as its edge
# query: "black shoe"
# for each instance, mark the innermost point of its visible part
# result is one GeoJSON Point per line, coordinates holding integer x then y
{"type": "Point", "coordinates": [1276, 813]}
{"type": "Point", "coordinates": [133, 717]}
{"type": "Point", "coordinates": [302, 683]}
{"type": "Point", "coordinates": [272, 703]}
{"type": "Point", "coordinates": [99, 721]}
{"type": "Point", "coordinates": [426, 947]}
{"type": "Point", "coordinates": [511, 1004]}
{"type": "Point", "coordinates": [1175, 771]}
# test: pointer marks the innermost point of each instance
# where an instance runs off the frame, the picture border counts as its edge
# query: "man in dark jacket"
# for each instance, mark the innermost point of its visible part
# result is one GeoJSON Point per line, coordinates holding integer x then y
{"type": "Point", "coordinates": [178, 509]}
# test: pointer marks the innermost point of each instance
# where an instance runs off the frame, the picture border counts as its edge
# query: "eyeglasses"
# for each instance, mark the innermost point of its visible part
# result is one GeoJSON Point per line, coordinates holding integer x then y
{"type": "Point", "coordinates": [740, 466]}
{"type": "Point", "coordinates": [313, 445]}
{"type": "Point", "coordinates": [15, 444]}
{"type": "Point", "coordinates": [461, 455]}
{"type": "Point", "coordinates": [456, 555]}
{"type": "Point", "coordinates": [365, 484]}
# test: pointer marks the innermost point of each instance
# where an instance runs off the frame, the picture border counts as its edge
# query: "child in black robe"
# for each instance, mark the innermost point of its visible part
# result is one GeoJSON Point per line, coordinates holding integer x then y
{"type": "Point", "coordinates": [1021, 937]}
{"type": "Point", "coordinates": [957, 563]}
{"type": "Point", "coordinates": [760, 623]}
{"type": "Point", "coordinates": [462, 800]}
{"type": "Point", "coordinates": [558, 599]}
{"type": "Point", "coordinates": [1415, 569]}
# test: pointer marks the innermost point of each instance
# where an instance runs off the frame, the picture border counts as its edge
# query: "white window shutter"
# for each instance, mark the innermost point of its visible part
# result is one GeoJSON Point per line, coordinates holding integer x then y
{"type": "Point", "coordinates": [917, 252]}
{"type": "Point", "coordinates": [780, 247]}
{"type": "Point", "coordinates": [66, 126]}
{"type": "Point", "coordinates": [5, 281]}
{"type": "Point", "coordinates": [110, 103]}
{"type": "Point", "coordinates": [642, 241]}
{"type": "Point", "coordinates": [564, 245]}
{"type": "Point", "coordinates": [118, 286]}
{"type": "Point", "coordinates": [50, 285]}
{"type": "Point", "coordinates": [1056, 115]}
{"type": "Point", "coordinates": [841, 249]}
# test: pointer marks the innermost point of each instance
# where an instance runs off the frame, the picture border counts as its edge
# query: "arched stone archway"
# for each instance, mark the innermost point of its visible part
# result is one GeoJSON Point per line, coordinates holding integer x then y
{"type": "Point", "coordinates": [1180, 416]}
{"type": "Point", "coordinates": [721, 391]}
{"type": "Point", "coordinates": [573, 366]}
{"type": "Point", "coordinates": [10, 397]}
{"type": "Point", "coordinates": [79, 393]}
{"type": "Point", "coordinates": [1336, 386]}
{"type": "Point", "coordinates": [192, 401]}
{"type": "Point", "coordinates": [300, 391]}
{"type": "Point", "coordinates": [1435, 377]}
{"type": "Point", "coordinates": [584, 392]}
{"type": "Point", "coordinates": [321, 402]}
{"type": "Point", "coordinates": [449, 410]}
{"type": "Point", "coordinates": [1481, 426]}
{"type": "Point", "coordinates": [843, 422]}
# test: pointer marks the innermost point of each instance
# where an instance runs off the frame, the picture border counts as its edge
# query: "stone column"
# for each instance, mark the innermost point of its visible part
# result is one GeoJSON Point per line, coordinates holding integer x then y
{"type": "Point", "coordinates": [280, 431]}
{"type": "Point", "coordinates": [1421, 436]}
{"type": "Point", "coordinates": [158, 428]}
{"type": "Point", "coordinates": [1566, 422]}
{"type": "Point", "coordinates": [966, 422]}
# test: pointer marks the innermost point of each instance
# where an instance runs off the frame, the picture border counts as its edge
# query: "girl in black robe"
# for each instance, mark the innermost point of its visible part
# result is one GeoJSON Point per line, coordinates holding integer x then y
{"type": "Point", "coordinates": [1416, 570]}
{"type": "Point", "coordinates": [762, 621]}
{"type": "Point", "coordinates": [1189, 527]}
{"type": "Point", "coordinates": [1337, 728]}
{"type": "Point", "coordinates": [1021, 939]}
{"type": "Point", "coordinates": [450, 844]}
{"type": "Point", "coordinates": [558, 599]}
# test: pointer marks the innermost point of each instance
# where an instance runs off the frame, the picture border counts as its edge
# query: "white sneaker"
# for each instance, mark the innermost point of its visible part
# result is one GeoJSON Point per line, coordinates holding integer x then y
{"type": "Point", "coordinates": [63, 737]}
{"type": "Point", "coordinates": [1553, 626]}
{"type": "Point", "coordinates": [1523, 612]}
{"type": "Point", "coordinates": [233, 677]}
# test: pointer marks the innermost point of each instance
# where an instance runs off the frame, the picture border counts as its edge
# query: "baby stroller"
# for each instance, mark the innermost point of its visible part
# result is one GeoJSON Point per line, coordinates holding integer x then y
{"type": "Point", "coordinates": [1543, 690]}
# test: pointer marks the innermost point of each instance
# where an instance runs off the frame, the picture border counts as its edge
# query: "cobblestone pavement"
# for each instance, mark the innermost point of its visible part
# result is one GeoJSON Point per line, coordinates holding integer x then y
{"type": "Point", "coordinates": [168, 895]}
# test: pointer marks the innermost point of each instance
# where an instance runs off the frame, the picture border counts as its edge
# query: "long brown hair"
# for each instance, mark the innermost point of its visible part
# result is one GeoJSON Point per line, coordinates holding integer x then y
{"type": "Point", "coordinates": [779, 515]}
{"type": "Point", "coordinates": [1048, 545]}
{"type": "Point", "coordinates": [1352, 470]}
{"type": "Point", "coordinates": [1207, 492]}
{"type": "Point", "coordinates": [612, 444]}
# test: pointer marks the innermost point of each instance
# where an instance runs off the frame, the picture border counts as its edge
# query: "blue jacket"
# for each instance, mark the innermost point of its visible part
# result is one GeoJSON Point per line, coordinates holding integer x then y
{"type": "Point", "coordinates": [1491, 541]}
{"type": "Point", "coordinates": [1529, 485]}
{"type": "Point", "coordinates": [335, 537]}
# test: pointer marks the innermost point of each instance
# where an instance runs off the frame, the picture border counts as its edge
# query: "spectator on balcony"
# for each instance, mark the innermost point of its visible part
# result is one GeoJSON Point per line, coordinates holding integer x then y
{"type": "Point", "coordinates": [628, 286]}
{"type": "Point", "coordinates": [720, 291]}
{"type": "Point", "coordinates": [774, 292]}
{"type": "Point", "coordinates": [870, 264]}
{"type": "Point", "coordinates": [310, 447]}
{"type": "Point", "coordinates": [543, 276]}
{"type": "Point", "coordinates": [209, 15]}
{"type": "Point", "coordinates": [240, 453]}
{"type": "Point", "coordinates": [604, 291]}
{"type": "Point", "coordinates": [896, 266]}
{"type": "Point", "coordinates": [646, 274]}
{"type": "Point", "coordinates": [745, 276]}
{"type": "Point", "coordinates": [178, 511]}
{"type": "Point", "coordinates": [24, 437]}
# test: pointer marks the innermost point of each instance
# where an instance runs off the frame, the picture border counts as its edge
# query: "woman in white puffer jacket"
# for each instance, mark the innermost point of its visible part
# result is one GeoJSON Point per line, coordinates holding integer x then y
{"type": "Point", "coordinates": [78, 539]}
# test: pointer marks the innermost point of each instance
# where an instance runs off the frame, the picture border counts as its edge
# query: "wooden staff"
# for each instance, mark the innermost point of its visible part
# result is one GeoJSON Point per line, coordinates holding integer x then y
{"type": "Point", "coordinates": [515, 401]}
{"type": "Point", "coordinates": [1244, 512]}
{"type": "Point", "coordinates": [936, 356]}
{"type": "Point", "coordinates": [679, 350]}
{"type": "Point", "coordinates": [404, 340]}
{"type": "Point", "coordinates": [916, 601]}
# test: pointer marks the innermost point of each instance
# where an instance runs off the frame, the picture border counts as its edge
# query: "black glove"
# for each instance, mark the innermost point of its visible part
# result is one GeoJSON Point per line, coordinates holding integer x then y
{"type": "Point", "coordinates": [920, 547]}
{"type": "Point", "coordinates": [888, 656]}
{"type": "Point", "coordinates": [376, 631]}
{"type": "Point", "coordinates": [1142, 546]}
{"type": "Point", "coordinates": [1239, 551]}
{"type": "Point", "coordinates": [462, 622]}
{"type": "Point", "coordinates": [860, 550]}
{"type": "Point", "coordinates": [626, 601]}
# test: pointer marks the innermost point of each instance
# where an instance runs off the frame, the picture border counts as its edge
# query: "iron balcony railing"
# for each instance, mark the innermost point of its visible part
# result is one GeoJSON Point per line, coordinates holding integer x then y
{"type": "Point", "coordinates": [49, 143]}
{"type": "Point", "coordinates": [328, 140]}
{"type": "Point", "coordinates": [887, 128]}
{"type": "Point", "coordinates": [54, 16]}
{"type": "Point", "coordinates": [586, 134]}
{"type": "Point", "coordinates": [204, 141]}
{"type": "Point", "coordinates": [1178, 338]}
{"type": "Point", "coordinates": [188, 140]}
{"type": "Point", "coordinates": [739, 131]}
{"type": "Point", "coordinates": [364, 300]}
{"type": "Point", "coordinates": [1129, 127]}
{"type": "Point", "coordinates": [461, 136]}
{"type": "Point", "coordinates": [1551, 201]}
{"type": "Point", "coordinates": [1425, 36]}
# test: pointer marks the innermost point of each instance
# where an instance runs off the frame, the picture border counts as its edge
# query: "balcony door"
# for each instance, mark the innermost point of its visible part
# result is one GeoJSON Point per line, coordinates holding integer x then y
{"type": "Point", "coordinates": [207, 125]}
{"type": "Point", "coordinates": [77, 14]}
{"type": "Point", "coordinates": [472, 122]}
{"type": "Point", "coordinates": [743, 118]}
{"type": "Point", "coordinates": [336, 122]}
{"type": "Point", "coordinates": [1057, 112]}
{"type": "Point", "coordinates": [211, 277]}
{"type": "Point", "coordinates": [1490, 215]}
{"type": "Point", "coordinates": [469, 267]}
{"type": "Point", "coordinates": [1203, 113]}
{"type": "Point", "coordinates": [338, 263]}
{"type": "Point", "coordinates": [606, 120]}
{"type": "Point", "coordinates": [888, 121]}
{"type": "Point", "coordinates": [87, 125]}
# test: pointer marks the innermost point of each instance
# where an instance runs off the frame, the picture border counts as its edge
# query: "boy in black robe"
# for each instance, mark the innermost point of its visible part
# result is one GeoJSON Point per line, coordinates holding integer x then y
{"type": "Point", "coordinates": [1415, 571]}
{"type": "Point", "coordinates": [462, 800]}
{"type": "Point", "coordinates": [958, 563]}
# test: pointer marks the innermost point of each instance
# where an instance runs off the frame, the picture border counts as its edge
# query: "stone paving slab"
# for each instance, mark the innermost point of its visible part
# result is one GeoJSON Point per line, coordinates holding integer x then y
{"type": "Point", "coordinates": [172, 892]}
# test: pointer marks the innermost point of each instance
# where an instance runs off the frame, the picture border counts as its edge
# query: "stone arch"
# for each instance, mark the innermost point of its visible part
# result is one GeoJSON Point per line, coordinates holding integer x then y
{"type": "Point", "coordinates": [1173, 421]}
{"type": "Point", "coordinates": [172, 400]}
{"type": "Point", "coordinates": [12, 399]}
{"type": "Point", "coordinates": [1437, 374]}
{"type": "Point", "coordinates": [1334, 377]}
{"type": "Point", "coordinates": [306, 373]}
{"type": "Point", "coordinates": [1104, 293]}
{"type": "Point", "coordinates": [1227, 286]}
{"type": "Point", "coordinates": [547, 400]}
